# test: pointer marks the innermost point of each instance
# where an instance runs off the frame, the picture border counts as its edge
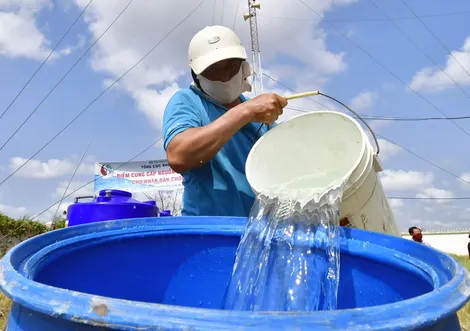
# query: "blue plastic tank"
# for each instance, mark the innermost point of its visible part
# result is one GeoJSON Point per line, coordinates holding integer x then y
{"type": "Point", "coordinates": [171, 274]}
{"type": "Point", "coordinates": [109, 205]}
{"type": "Point", "coordinates": [165, 213]}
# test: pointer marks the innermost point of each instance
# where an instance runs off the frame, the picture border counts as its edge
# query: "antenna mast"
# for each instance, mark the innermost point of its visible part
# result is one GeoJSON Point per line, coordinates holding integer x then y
{"type": "Point", "coordinates": [253, 5]}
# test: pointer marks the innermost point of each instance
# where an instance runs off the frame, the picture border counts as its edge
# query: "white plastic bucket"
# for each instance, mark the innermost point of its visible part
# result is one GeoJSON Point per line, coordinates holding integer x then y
{"type": "Point", "coordinates": [319, 150]}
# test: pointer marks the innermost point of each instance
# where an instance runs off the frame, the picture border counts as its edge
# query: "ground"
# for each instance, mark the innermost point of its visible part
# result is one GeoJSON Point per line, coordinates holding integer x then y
{"type": "Point", "coordinates": [464, 313]}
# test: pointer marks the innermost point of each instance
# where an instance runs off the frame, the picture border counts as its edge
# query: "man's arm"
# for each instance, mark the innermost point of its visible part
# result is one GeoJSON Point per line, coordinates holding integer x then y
{"type": "Point", "coordinates": [196, 146]}
{"type": "Point", "coordinates": [189, 145]}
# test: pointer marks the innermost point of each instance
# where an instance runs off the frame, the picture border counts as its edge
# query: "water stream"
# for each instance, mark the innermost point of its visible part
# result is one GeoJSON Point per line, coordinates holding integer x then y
{"type": "Point", "coordinates": [288, 256]}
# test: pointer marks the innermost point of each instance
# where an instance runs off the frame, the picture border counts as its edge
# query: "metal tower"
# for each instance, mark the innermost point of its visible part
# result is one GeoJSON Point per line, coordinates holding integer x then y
{"type": "Point", "coordinates": [253, 5]}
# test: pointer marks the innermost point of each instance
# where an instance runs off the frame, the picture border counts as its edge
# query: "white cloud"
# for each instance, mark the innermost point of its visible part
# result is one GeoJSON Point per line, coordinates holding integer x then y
{"type": "Point", "coordinates": [436, 222]}
{"type": "Point", "coordinates": [363, 101]}
{"type": "Point", "coordinates": [74, 185]}
{"type": "Point", "coordinates": [12, 211]}
{"type": "Point", "coordinates": [429, 209]}
{"type": "Point", "coordinates": [155, 79]}
{"type": "Point", "coordinates": [363, 104]}
{"type": "Point", "coordinates": [431, 214]}
{"type": "Point", "coordinates": [149, 101]}
{"type": "Point", "coordinates": [466, 177]}
{"type": "Point", "coordinates": [20, 35]}
{"type": "Point", "coordinates": [86, 190]}
{"type": "Point", "coordinates": [400, 180]}
{"type": "Point", "coordinates": [69, 49]}
{"type": "Point", "coordinates": [434, 193]}
{"type": "Point", "coordinates": [433, 79]}
{"type": "Point", "coordinates": [387, 149]}
{"type": "Point", "coordinates": [52, 168]}
{"type": "Point", "coordinates": [396, 203]}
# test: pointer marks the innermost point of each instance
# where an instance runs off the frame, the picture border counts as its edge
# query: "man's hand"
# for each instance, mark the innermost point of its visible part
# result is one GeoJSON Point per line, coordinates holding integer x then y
{"type": "Point", "coordinates": [265, 108]}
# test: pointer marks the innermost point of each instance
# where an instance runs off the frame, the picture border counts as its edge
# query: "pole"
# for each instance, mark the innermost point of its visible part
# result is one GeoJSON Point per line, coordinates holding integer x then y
{"type": "Point", "coordinates": [255, 49]}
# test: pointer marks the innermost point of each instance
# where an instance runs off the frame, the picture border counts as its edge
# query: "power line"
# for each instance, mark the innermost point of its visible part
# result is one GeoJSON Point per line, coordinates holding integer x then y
{"type": "Point", "coordinates": [431, 163]}
{"type": "Point", "coordinates": [428, 198]}
{"type": "Point", "coordinates": [414, 119]}
{"type": "Point", "coordinates": [91, 181]}
{"type": "Point", "coordinates": [71, 179]}
{"type": "Point", "coordinates": [66, 74]}
{"type": "Point", "coordinates": [419, 48]}
{"type": "Point", "coordinates": [392, 142]}
{"type": "Point", "coordinates": [287, 87]}
{"type": "Point", "coordinates": [103, 92]}
{"type": "Point", "coordinates": [159, 139]}
{"type": "Point", "coordinates": [236, 15]}
{"type": "Point", "coordinates": [425, 160]}
{"type": "Point", "coordinates": [222, 16]}
{"type": "Point", "coordinates": [346, 20]}
{"type": "Point", "coordinates": [435, 37]}
{"type": "Point", "coordinates": [213, 12]}
{"type": "Point", "coordinates": [390, 118]}
{"type": "Point", "coordinates": [384, 67]}
{"type": "Point", "coordinates": [371, 118]}
{"type": "Point", "coordinates": [155, 142]}
{"type": "Point", "coordinates": [47, 58]}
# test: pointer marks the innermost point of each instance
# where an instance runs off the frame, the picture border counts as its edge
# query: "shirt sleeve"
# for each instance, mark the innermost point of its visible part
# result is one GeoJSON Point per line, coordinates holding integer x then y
{"type": "Point", "coordinates": [181, 113]}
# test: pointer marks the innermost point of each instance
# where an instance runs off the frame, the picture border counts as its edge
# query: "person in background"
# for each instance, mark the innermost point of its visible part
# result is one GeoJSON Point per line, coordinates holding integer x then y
{"type": "Point", "coordinates": [468, 247]}
{"type": "Point", "coordinates": [416, 235]}
{"type": "Point", "coordinates": [210, 127]}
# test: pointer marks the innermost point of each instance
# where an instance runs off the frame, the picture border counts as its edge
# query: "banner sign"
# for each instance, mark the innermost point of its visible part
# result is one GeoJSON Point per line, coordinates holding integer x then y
{"type": "Point", "coordinates": [137, 176]}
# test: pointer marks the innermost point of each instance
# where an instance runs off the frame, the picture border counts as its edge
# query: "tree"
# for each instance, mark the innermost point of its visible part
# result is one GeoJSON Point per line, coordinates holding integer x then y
{"type": "Point", "coordinates": [167, 200]}
{"type": "Point", "coordinates": [59, 221]}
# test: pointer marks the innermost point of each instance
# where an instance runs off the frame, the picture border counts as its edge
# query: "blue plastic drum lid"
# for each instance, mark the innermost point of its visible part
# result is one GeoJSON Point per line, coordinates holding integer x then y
{"type": "Point", "coordinates": [171, 273]}
{"type": "Point", "coordinates": [109, 205]}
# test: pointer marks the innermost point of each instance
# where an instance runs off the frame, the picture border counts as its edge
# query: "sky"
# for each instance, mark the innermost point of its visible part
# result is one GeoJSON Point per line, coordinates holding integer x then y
{"type": "Point", "coordinates": [384, 58]}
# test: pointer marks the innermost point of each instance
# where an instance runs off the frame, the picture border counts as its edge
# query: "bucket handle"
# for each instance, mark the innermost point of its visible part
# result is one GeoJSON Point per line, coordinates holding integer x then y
{"type": "Point", "coordinates": [84, 197]}
{"type": "Point", "coordinates": [359, 117]}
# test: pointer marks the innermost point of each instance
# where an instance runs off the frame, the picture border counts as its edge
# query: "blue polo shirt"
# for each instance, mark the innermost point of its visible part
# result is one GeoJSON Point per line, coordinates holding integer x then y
{"type": "Point", "coordinates": [219, 187]}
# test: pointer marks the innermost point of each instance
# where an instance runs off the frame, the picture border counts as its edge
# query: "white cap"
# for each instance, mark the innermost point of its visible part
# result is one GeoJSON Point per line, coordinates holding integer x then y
{"type": "Point", "coordinates": [213, 44]}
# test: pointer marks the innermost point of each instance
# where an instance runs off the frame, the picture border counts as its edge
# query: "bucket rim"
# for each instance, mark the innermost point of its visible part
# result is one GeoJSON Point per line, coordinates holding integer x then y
{"type": "Point", "coordinates": [77, 306]}
{"type": "Point", "coordinates": [316, 112]}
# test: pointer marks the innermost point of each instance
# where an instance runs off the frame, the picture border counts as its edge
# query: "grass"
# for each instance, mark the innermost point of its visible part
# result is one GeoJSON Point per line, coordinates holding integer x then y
{"type": "Point", "coordinates": [5, 304]}
{"type": "Point", "coordinates": [464, 313]}
{"type": "Point", "coordinates": [4, 309]}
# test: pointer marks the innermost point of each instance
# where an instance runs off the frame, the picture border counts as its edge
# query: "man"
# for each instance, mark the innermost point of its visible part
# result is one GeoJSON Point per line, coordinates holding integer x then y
{"type": "Point", "coordinates": [210, 128]}
{"type": "Point", "coordinates": [416, 235]}
{"type": "Point", "coordinates": [468, 247]}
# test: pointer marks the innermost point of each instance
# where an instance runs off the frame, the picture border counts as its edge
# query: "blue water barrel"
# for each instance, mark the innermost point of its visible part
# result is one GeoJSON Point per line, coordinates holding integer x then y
{"type": "Point", "coordinates": [165, 213]}
{"type": "Point", "coordinates": [151, 274]}
{"type": "Point", "coordinates": [109, 205]}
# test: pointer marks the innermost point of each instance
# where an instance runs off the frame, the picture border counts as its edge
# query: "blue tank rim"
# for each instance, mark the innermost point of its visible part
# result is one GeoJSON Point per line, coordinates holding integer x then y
{"type": "Point", "coordinates": [76, 306]}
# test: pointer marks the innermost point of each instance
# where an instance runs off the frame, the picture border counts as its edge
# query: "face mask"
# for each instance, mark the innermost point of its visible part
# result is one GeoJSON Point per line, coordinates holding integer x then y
{"type": "Point", "coordinates": [227, 92]}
